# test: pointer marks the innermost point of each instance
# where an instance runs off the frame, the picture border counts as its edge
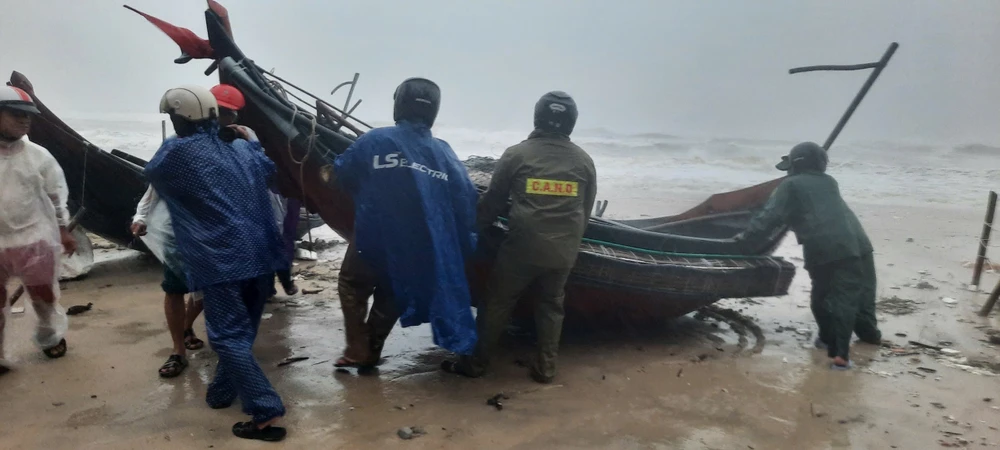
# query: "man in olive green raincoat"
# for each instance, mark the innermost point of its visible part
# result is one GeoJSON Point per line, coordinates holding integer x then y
{"type": "Point", "coordinates": [552, 184]}
{"type": "Point", "coordinates": [837, 252]}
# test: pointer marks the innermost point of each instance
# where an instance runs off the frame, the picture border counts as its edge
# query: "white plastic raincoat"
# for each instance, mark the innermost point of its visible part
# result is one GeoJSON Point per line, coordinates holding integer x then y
{"type": "Point", "coordinates": [32, 209]}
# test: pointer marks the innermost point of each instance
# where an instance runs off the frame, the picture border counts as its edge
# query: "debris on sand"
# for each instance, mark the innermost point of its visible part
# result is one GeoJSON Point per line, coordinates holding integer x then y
{"type": "Point", "coordinates": [993, 336]}
{"type": "Point", "coordinates": [949, 301]}
{"type": "Point", "coordinates": [407, 433]}
{"type": "Point", "coordinates": [897, 306]}
{"type": "Point", "coordinates": [292, 359]}
{"type": "Point", "coordinates": [77, 309]}
{"type": "Point", "coordinates": [305, 255]}
{"type": "Point", "coordinates": [923, 285]}
{"type": "Point", "coordinates": [987, 364]}
{"type": "Point", "coordinates": [860, 418]}
{"type": "Point", "coordinates": [742, 325]}
{"type": "Point", "coordinates": [318, 245]}
{"type": "Point", "coordinates": [923, 345]}
{"type": "Point", "coordinates": [495, 401]}
{"type": "Point", "coordinates": [311, 291]}
{"type": "Point", "coordinates": [975, 367]}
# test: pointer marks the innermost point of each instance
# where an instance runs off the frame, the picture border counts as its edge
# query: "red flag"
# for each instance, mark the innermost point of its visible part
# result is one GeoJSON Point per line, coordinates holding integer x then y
{"type": "Point", "coordinates": [190, 44]}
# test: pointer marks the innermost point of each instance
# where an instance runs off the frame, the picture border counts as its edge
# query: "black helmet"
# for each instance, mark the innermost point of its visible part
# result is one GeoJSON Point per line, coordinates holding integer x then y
{"type": "Point", "coordinates": [417, 99]}
{"type": "Point", "coordinates": [804, 156]}
{"type": "Point", "coordinates": [556, 112]}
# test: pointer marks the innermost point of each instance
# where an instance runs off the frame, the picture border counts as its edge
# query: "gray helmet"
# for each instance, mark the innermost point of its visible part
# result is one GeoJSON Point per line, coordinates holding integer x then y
{"type": "Point", "coordinates": [804, 156]}
{"type": "Point", "coordinates": [556, 112]}
{"type": "Point", "coordinates": [15, 98]}
{"type": "Point", "coordinates": [417, 99]}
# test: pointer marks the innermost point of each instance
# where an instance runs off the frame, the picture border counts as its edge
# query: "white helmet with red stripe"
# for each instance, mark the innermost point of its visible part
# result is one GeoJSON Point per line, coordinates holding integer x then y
{"type": "Point", "coordinates": [15, 98]}
{"type": "Point", "coordinates": [192, 102]}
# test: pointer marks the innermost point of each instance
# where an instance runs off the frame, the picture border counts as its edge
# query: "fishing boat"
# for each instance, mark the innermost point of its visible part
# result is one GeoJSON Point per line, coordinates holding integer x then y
{"type": "Point", "coordinates": [108, 187]}
{"type": "Point", "coordinates": [109, 184]}
{"type": "Point", "coordinates": [645, 269]}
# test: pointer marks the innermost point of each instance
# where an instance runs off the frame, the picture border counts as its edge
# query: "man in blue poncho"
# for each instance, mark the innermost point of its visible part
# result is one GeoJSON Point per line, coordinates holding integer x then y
{"type": "Point", "coordinates": [414, 228]}
{"type": "Point", "coordinates": [217, 195]}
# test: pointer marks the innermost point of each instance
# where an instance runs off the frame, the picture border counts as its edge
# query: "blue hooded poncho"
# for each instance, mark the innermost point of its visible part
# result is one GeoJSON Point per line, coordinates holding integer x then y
{"type": "Point", "coordinates": [218, 198]}
{"type": "Point", "coordinates": [415, 211]}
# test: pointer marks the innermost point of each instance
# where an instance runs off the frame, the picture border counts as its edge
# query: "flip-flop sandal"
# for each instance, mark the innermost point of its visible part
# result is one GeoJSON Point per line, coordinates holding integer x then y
{"type": "Point", "coordinates": [56, 351]}
{"type": "Point", "coordinates": [292, 290]}
{"type": "Point", "coordinates": [191, 342]}
{"type": "Point", "coordinates": [5, 366]}
{"type": "Point", "coordinates": [222, 405]}
{"type": "Point", "coordinates": [849, 366]}
{"type": "Point", "coordinates": [344, 361]}
{"type": "Point", "coordinates": [453, 367]}
{"type": "Point", "coordinates": [174, 366]}
{"type": "Point", "coordinates": [249, 430]}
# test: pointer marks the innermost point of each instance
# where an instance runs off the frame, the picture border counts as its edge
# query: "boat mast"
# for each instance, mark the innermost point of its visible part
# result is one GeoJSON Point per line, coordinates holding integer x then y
{"type": "Point", "coordinates": [878, 66]}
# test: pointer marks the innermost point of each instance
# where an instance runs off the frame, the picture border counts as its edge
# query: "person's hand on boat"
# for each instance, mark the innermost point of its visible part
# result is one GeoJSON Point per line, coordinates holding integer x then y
{"type": "Point", "coordinates": [240, 132]}
{"type": "Point", "coordinates": [68, 241]}
{"type": "Point", "coordinates": [138, 229]}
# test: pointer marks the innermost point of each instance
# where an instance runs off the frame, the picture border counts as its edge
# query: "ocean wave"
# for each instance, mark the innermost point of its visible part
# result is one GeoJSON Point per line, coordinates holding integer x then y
{"type": "Point", "coordinates": [977, 150]}
{"type": "Point", "coordinates": [662, 165]}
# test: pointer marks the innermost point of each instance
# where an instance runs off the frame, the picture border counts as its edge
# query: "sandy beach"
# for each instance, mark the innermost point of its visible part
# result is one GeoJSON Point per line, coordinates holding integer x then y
{"type": "Point", "coordinates": [688, 384]}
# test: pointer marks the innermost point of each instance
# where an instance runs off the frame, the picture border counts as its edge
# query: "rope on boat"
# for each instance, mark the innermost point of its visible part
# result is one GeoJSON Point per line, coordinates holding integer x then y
{"type": "Point", "coordinates": [311, 141]}
{"type": "Point", "coordinates": [675, 254]}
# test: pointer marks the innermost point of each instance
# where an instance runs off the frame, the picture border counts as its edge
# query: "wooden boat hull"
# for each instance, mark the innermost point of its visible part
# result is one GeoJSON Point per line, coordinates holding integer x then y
{"type": "Point", "coordinates": [108, 186]}
{"type": "Point", "coordinates": [633, 272]}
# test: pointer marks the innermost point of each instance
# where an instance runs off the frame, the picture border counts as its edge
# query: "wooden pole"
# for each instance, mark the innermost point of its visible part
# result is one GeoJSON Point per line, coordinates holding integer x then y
{"type": "Point", "coordinates": [984, 239]}
{"type": "Point", "coordinates": [990, 302]}
{"type": "Point", "coordinates": [163, 130]}
{"type": "Point", "coordinates": [878, 66]}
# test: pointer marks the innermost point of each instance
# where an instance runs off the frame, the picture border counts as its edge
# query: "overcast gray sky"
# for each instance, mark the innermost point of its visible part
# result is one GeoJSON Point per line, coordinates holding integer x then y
{"type": "Point", "coordinates": [702, 68]}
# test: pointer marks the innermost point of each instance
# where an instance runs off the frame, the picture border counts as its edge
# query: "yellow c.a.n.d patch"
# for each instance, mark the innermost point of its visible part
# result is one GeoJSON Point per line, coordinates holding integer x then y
{"type": "Point", "coordinates": [539, 186]}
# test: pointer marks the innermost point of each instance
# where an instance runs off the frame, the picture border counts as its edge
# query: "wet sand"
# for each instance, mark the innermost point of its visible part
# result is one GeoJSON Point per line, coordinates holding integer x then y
{"type": "Point", "coordinates": [689, 384]}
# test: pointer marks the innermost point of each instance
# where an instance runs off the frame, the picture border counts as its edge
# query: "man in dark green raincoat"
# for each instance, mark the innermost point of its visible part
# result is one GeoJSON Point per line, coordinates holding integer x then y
{"type": "Point", "coordinates": [552, 185]}
{"type": "Point", "coordinates": [837, 252]}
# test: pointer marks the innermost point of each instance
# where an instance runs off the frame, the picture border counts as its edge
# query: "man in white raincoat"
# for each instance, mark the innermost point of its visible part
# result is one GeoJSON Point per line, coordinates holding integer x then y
{"type": "Point", "coordinates": [33, 220]}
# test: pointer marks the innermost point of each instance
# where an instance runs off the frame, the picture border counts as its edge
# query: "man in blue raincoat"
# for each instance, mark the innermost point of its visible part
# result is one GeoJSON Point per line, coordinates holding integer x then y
{"type": "Point", "coordinates": [414, 227]}
{"type": "Point", "coordinates": [217, 195]}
